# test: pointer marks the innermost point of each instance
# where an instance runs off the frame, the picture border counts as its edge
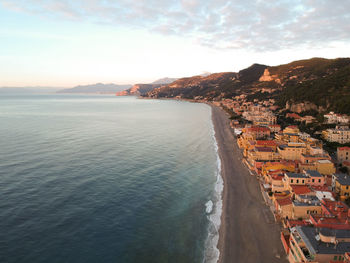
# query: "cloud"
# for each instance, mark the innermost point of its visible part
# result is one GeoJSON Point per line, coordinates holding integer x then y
{"type": "Point", "coordinates": [255, 25]}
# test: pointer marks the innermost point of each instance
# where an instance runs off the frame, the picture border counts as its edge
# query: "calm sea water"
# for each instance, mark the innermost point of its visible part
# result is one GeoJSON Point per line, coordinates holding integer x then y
{"type": "Point", "coordinates": [107, 179]}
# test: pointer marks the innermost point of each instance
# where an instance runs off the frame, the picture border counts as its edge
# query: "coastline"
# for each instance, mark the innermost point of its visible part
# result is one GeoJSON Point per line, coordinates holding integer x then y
{"type": "Point", "coordinates": [248, 232]}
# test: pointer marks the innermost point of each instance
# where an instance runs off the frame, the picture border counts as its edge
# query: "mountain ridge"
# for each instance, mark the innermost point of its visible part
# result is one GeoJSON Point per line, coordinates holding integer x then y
{"type": "Point", "coordinates": [322, 82]}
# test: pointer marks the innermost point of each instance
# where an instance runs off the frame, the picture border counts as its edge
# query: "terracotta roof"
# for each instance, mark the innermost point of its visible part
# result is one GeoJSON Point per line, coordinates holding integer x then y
{"type": "Point", "coordinates": [345, 148]}
{"type": "Point", "coordinates": [263, 149]}
{"type": "Point", "coordinates": [257, 129]}
{"type": "Point", "coordinates": [266, 142]}
{"type": "Point", "coordinates": [292, 223]}
{"type": "Point", "coordinates": [301, 189]}
{"type": "Point", "coordinates": [284, 201]}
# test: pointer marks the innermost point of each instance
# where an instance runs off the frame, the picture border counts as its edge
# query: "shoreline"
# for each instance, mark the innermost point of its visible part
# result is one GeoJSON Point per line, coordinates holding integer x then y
{"type": "Point", "coordinates": [248, 232]}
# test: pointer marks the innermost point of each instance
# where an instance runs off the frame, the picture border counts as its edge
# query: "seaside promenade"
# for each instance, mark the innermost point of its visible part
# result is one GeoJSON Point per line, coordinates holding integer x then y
{"type": "Point", "coordinates": [248, 232]}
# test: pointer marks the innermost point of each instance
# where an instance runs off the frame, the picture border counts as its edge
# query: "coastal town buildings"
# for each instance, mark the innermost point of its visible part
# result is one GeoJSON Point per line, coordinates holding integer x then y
{"type": "Point", "coordinates": [341, 185]}
{"type": "Point", "coordinates": [334, 118]}
{"type": "Point", "coordinates": [341, 134]}
{"type": "Point", "coordinates": [322, 245]}
{"type": "Point", "coordinates": [343, 154]}
{"type": "Point", "coordinates": [300, 180]}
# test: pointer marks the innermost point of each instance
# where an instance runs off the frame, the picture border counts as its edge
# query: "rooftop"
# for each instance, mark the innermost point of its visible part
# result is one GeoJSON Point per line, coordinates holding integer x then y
{"type": "Point", "coordinates": [315, 246]}
{"type": "Point", "coordinates": [343, 179]}
{"type": "Point", "coordinates": [307, 201]}
{"type": "Point", "coordinates": [284, 201]}
{"type": "Point", "coordinates": [324, 161]}
{"type": "Point", "coordinates": [263, 149]}
{"type": "Point", "coordinates": [313, 173]}
{"type": "Point", "coordinates": [345, 148]}
{"type": "Point", "coordinates": [301, 189]}
{"type": "Point", "coordinates": [296, 175]}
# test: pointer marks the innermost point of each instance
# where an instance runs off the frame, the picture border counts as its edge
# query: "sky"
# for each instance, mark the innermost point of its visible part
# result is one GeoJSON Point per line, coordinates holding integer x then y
{"type": "Point", "coordinates": [63, 43]}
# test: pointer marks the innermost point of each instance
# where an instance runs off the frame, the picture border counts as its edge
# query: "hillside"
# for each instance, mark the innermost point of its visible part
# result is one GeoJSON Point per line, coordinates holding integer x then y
{"type": "Point", "coordinates": [322, 84]}
{"type": "Point", "coordinates": [213, 86]}
{"type": "Point", "coordinates": [96, 88]}
{"type": "Point", "coordinates": [138, 90]}
{"type": "Point", "coordinates": [164, 81]}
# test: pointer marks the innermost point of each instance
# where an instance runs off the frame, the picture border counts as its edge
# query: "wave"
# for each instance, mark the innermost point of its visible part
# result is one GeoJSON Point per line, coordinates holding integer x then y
{"type": "Point", "coordinates": [212, 253]}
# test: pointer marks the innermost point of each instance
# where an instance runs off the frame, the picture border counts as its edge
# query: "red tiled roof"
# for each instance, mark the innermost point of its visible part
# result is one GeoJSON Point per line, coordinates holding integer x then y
{"type": "Point", "coordinates": [345, 148]}
{"type": "Point", "coordinates": [266, 142]}
{"type": "Point", "coordinates": [284, 201]}
{"type": "Point", "coordinates": [323, 188]}
{"type": "Point", "coordinates": [278, 177]}
{"type": "Point", "coordinates": [292, 223]}
{"type": "Point", "coordinates": [346, 163]}
{"type": "Point", "coordinates": [301, 189]}
{"type": "Point", "coordinates": [263, 149]}
{"type": "Point", "coordinates": [258, 128]}
{"type": "Point", "coordinates": [293, 115]}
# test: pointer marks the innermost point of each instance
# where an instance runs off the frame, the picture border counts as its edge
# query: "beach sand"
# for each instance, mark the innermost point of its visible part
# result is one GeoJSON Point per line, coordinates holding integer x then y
{"type": "Point", "coordinates": [248, 232]}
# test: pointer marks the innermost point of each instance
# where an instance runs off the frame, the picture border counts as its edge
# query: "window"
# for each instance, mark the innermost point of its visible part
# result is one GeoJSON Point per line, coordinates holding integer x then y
{"type": "Point", "coordinates": [319, 180]}
{"type": "Point", "coordinates": [313, 180]}
{"type": "Point", "coordinates": [291, 181]}
{"type": "Point", "coordinates": [297, 181]}
{"type": "Point", "coordinates": [303, 181]}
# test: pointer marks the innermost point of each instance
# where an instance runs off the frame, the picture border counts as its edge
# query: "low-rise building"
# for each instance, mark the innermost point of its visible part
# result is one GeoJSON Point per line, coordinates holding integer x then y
{"type": "Point", "coordinates": [325, 167]}
{"type": "Point", "coordinates": [306, 205]}
{"type": "Point", "coordinates": [292, 150]}
{"type": "Point", "coordinates": [274, 127]}
{"type": "Point", "coordinates": [341, 134]}
{"type": "Point", "coordinates": [310, 244]}
{"type": "Point", "coordinates": [341, 185]}
{"type": "Point", "coordinates": [343, 154]}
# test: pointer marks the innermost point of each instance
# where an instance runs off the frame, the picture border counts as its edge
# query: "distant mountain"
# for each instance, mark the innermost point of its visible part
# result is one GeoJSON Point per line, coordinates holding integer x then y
{"type": "Point", "coordinates": [164, 81]}
{"type": "Point", "coordinates": [96, 88]}
{"type": "Point", "coordinates": [322, 84]}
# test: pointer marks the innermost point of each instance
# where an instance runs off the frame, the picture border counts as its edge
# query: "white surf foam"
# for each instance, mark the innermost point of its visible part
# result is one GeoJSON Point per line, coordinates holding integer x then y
{"type": "Point", "coordinates": [212, 252]}
{"type": "Point", "coordinates": [209, 206]}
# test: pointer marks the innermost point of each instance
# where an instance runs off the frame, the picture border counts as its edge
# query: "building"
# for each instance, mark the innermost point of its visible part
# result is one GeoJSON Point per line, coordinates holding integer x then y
{"type": "Point", "coordinates": [343, 154]}
{"type": "Point", "coordinates": [310, 244]}
{"type": "Point", "coordinates": [334, 214]}
{"type": "Point", "coordinates": [332, 118]}
{"type": "Point", "coordinates": [315, 178]}
{"type": "Point", "coordinates": [292, 151]}
{"type": "Point", "coordinates": [294, 179]}
{"type": "Point", "coordinates": [341, 185]}
{"type": "Point", "coordinates": [341, 134]}
{"type": "Point", "coordinates": [258, 132]}
{"type": "Point", "coordinates": [325, 167]}
{"type": "Point", "coordinates": [284, 207]}
{"type": "Point", "coordinates": [306, 205]}
{"type": "Point", "coordinates": [274, 127]}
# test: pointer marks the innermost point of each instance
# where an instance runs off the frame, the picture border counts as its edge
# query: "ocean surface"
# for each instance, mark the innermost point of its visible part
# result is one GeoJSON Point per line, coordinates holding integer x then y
{"type": "Point", "coordinates": [88, 178]}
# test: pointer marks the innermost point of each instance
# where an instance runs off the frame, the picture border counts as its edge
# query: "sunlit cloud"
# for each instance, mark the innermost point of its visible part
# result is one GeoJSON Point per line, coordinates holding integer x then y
{"type": "Point", "coordinates": [251, 24]}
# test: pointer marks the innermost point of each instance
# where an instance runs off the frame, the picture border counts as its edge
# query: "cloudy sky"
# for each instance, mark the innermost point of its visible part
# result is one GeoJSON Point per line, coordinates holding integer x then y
{"type": "Point", "coordinates": [70, 42]}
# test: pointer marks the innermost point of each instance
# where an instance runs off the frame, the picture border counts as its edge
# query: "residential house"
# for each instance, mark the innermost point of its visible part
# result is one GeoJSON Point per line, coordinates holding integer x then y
{"type": "Point", "coordinates": [310, 244]}
{"type": "Point", "coordinates": [341, 185]}
{"type": "Point", "coordinates": [343, 154]}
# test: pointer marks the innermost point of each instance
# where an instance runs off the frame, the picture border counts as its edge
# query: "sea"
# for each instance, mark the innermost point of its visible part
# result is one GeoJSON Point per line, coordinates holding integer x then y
{"type": "Point", "coordinates": [100, 178]}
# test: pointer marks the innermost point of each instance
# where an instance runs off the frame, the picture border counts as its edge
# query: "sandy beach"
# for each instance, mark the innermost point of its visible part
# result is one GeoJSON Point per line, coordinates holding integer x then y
{"type": "Point", "coordinates": [248, 232]}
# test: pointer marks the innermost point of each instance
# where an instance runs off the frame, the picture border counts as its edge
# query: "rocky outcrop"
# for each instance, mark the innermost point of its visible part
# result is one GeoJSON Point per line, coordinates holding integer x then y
{"type": "Point", "coordinates": [302, 106]}
{"type": "Point", "coordinates": [268, 77]}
